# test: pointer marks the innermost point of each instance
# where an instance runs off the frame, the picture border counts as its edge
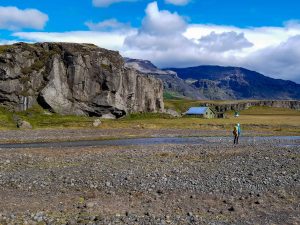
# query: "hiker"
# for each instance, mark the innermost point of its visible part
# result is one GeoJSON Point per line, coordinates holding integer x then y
{"type": "Point", "coordinates": [236, 133]}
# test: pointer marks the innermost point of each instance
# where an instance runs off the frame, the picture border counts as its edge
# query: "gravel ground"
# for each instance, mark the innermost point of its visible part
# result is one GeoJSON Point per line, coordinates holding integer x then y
{"type": "Point", "coordinates": [46, 135]}
{"type": "Point", "coordinates": [211, 183]}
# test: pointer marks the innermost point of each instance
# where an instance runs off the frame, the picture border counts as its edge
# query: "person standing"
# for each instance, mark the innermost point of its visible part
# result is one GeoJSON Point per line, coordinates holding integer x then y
{"type": "Point", "coordinates": [236, 133]}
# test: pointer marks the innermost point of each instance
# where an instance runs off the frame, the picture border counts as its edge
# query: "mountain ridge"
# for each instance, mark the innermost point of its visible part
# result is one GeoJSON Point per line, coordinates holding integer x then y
{"type": "Point", "coordinates": [240, 83]}
{"type": "Point", "coordinates": [214, 82]}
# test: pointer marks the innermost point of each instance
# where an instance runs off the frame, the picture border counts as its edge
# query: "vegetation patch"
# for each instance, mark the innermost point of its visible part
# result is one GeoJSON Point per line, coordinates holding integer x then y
{"type": "Point", "coordinates": [260, 119]}
{"type": "Point", "coordinates": [106, 67]}
{"type": "Point", "coordinates": [5, 48]}
{"type": "Point", "coordinates": [171, 96]}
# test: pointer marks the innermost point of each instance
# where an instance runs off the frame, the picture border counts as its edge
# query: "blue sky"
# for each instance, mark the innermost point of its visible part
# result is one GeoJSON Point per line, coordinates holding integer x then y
{"type": "Point", "coordinates": [259, 35]}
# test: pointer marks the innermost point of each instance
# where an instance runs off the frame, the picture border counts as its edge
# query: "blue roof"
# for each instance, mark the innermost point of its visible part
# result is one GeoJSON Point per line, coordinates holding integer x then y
{"type": "Point", "coordinates": [196, 111]}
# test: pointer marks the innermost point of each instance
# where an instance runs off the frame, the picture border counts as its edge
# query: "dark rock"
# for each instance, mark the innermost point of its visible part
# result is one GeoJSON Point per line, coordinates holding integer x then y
{"type": "Point", "coordinates": [231, 209]}
{"type": "Point", "coordinates": [80, 79]}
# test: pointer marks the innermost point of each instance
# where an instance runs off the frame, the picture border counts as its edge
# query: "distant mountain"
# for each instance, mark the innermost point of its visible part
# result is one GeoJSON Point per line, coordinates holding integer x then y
{"type": "Point", "coordinates": [217, 82]}
{"type": "Point", "coordinates": [173, 85]}
{"type": "Point", "coordinates": [145, 66]}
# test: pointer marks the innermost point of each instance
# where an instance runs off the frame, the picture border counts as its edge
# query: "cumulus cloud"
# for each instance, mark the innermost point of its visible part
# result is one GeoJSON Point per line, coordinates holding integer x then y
{"type": "Point", "coordinates": [224, 42]}
{"type": "Point", "coordinates": [168, 40]}
{"type": "Point", "coordinates": [110, 40]}
{"type": "Point", "coordinates": [106, 3]}
{"type": "Point", "coordinates": [162, 22]}
{"type": "Point", "coordinates": [12, 18]}
{"type": "Point", "coordinates": [7, 42]}
{"type": "Point", "coordinates": [281, 61]}
{"type": "Point", "coordinates": [177, 2]}
{"type": "Point", "coordinates": [108, 25]}
{"type": "Point", "coordinates": [161, 30]}
{"type": "Point", "coordinates": [159, 35]}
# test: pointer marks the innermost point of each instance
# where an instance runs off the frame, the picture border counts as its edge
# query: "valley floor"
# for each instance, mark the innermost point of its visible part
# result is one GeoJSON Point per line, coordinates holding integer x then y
{"type": "Point", "coordinates": [210, 183]}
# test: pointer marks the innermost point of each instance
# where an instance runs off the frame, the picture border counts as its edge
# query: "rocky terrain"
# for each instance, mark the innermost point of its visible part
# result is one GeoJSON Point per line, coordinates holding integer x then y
{"type": "Point", "coordinates": [80, 79]}
{"type": "Point", "coordinates": [210, 183]}
{"type": "Point", "coordinates": [238, 106]}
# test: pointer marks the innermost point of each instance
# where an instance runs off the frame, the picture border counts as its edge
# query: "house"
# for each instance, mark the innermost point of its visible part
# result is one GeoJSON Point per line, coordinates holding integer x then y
{"type": "Point", "coordinates": [203, 112]}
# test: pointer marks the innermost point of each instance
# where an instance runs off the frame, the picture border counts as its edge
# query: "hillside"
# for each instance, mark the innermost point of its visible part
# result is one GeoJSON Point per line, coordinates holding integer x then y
{"type": "Point", "coordinates": [216, 82]}
{"type": "Point", "coordinates": [173, 85]}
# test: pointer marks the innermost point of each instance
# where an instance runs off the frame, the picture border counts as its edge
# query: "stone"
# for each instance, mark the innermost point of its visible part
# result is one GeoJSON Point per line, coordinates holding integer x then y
{"type": "Point", "coordinates": [108, 116]}
{"type": "Point", "coordinates": [172, 112]}
{"type": "Point", "coordinates": [75, 79]}
{"type": "Point", "coordinates": [90, 204]}
{"type": "Point", "coordinates": [22, 124]}
{"type": "Point", "coordinates": [97, 123]}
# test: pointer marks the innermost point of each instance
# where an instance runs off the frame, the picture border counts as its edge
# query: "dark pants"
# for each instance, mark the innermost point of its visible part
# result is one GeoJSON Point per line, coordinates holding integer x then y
{"type": "Point", "coordinates": [236, 139]}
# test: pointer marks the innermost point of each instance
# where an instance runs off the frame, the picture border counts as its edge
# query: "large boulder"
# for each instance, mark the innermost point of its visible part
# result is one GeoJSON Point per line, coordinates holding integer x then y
{"type": "Point", "coordinates": [80, 79]}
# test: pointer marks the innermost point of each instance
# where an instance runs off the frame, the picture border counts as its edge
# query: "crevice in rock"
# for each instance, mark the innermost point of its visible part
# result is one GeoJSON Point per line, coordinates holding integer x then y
{"type": "Point", "coordinates": [41, 101]}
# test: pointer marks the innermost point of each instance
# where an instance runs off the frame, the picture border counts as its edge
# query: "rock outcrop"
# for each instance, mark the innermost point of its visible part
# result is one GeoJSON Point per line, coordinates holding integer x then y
{"type": "Point", "coordinates": [80, 79]}
{"type": "Point", "coordinates": [172, 83]}
{"type": "Point", "coordinates": [238, 106]}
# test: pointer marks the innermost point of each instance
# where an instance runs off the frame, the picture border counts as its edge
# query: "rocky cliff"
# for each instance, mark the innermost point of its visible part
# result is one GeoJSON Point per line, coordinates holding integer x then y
{"type": "Point", "coordinates": [80, 79]}
{"type": "Point", "coordinates": [172, 83]}
{"type": "Point", "coordinates": [238, 106]}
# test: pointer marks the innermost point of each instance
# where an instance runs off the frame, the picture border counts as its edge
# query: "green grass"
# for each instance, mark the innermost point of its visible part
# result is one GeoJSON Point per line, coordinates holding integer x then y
{"type": "Point", "coordinates": [39, 118]}
{"type": "Point", "coordinates": [265, 110]}
{"type": "Point", "coordinates": [181, 105]}
{"type": "Point", "coordinates": [6, 119]}
{"type": "Point", "coordinates": [147, 116]}
{"type": "Point", "coordinates": [4, 48]}
{"type": "Point", "coordinates": [278, 120]}
{"type": "Point", "coordinates": [171, 96]}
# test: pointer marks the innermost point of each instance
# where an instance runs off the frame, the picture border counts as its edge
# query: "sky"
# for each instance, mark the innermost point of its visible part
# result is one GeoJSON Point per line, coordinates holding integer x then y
{"type": "Point", "coordinates": [258, 35]}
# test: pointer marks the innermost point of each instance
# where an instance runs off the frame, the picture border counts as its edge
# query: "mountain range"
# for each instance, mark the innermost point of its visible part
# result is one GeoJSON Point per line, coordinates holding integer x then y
{"type": "Point", "coordinates": [218, 82]}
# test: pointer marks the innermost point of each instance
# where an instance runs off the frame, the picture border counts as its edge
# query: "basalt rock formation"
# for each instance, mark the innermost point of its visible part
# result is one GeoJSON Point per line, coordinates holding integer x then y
{"type": "Point", "coordinates": [80, 79]}
{"type": "Point", "coordinates": [238, 106]}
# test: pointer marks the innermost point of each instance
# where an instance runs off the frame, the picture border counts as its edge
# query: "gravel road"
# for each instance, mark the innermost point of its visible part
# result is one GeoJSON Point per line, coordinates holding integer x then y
{"type": "Point", "coordinates": [255, 182]}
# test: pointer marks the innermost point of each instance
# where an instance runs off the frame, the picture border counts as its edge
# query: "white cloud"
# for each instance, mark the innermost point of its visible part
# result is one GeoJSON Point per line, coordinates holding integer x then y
{"type": "Point", "coordinates": [225, 41]}
{"type": "Point", "coordinates": [108, 25]}
{"type": "Point", "coordinates": [269, 50]}
{"type": "Point", "coordinates": [110, 40]}
{"type": "Point", "coordinates": [161, 22]}
{"type": "Point", "coordinates": [281, 61]}
{"type": "Point", "coordinates": [177, 2]}
{"type": "Point", "coordinates": [161, 30]}
{"type": "Point", "coordinates": [12, 18]}
{"type": "Point", "coordinates": [168, 40]}
{"type": "Point", "coordinates": [106, 3]}
{"type": "Point", "coordinates": [7, 42]}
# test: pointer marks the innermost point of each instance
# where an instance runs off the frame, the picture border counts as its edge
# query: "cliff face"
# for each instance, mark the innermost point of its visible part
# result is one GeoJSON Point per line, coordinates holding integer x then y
{"type": "Point", "coordinates": [172, 83]}
{"type": "Point", "coordinates": [238, 106]}
{"type": "Point", "coordinates": [79, 79]}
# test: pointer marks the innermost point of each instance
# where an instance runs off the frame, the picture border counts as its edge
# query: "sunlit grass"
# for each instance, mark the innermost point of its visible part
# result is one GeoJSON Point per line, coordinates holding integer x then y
{"type": "Point", "coordinates": [262, 119]}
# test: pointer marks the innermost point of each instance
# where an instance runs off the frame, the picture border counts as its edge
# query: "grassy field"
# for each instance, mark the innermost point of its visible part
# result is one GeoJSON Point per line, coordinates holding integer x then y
{"type": "Point", "coordinates": [40, 118]}
{"type": "Point", "coordinates": [277, 120]}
